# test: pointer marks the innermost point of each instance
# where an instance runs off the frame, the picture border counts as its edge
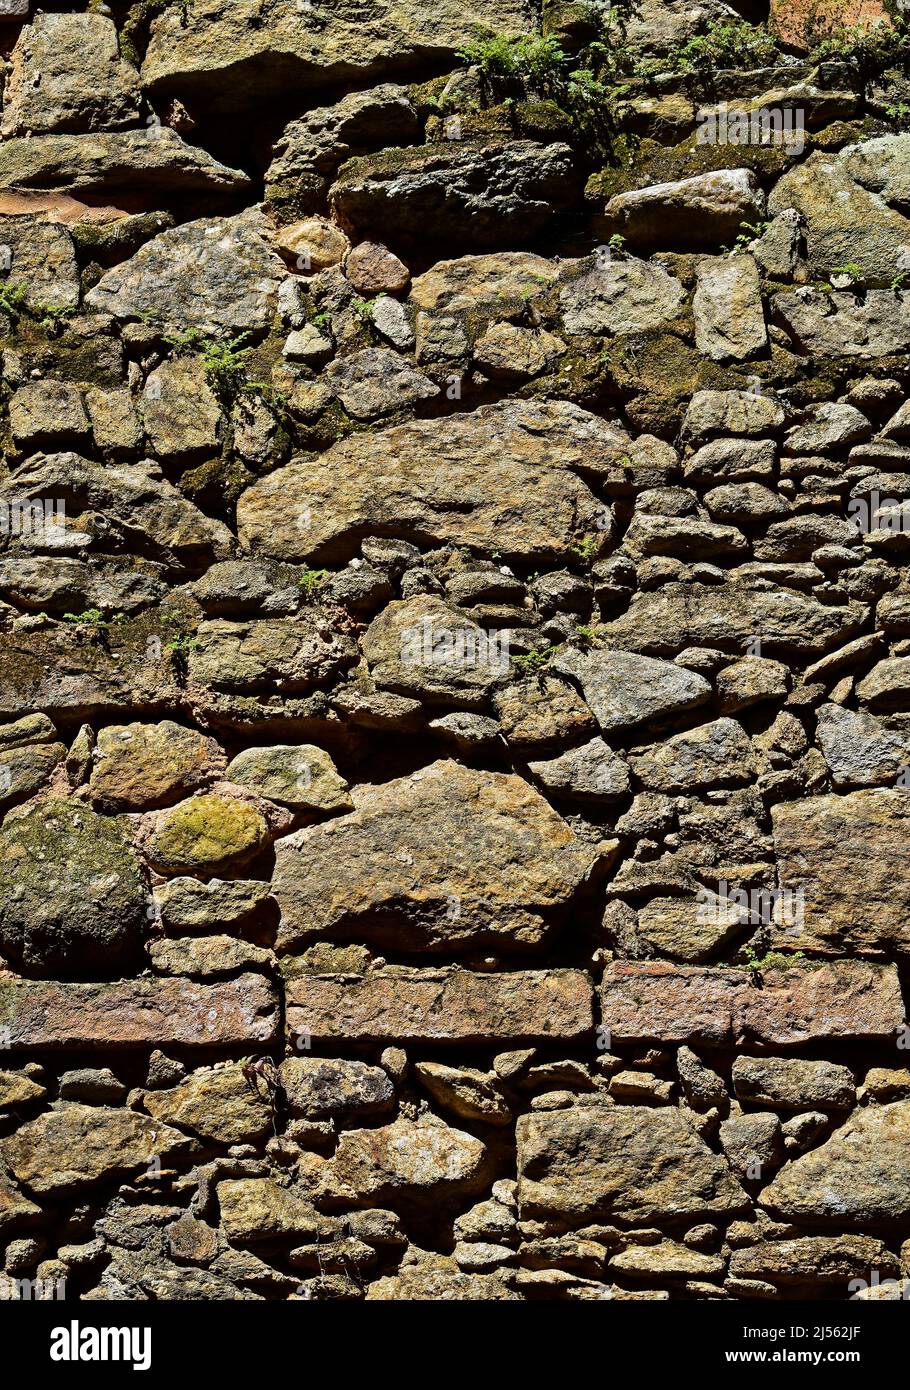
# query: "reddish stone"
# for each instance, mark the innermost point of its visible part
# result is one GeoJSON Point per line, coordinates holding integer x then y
{"type": "Point", "coordinates": [671, 1003]}
{"type": "Point", "coordinates": [445, 1005]}
{"type": "Point", "coordinates": [137, 1013]}
{"type": "Point", "coordinates": [798, 23]}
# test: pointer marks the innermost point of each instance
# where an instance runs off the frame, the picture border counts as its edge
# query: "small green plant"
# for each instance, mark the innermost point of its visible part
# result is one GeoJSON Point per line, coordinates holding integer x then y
{"type": "Point", "coordinates": [587, 635]}
{"type": "Point", "coordinates": [183, 642]}
{"type": "Point", "coordinates": [535, 660]}
{"type": "Point", "coordinates": [12, 299]}
{"type": "Point", "coordinates": [584, 85]}
{"type": "Point", "coordinates": [225, 362]}
{"type": "Point", "coordinates": [323, 320]}
{"type": "Point", "coordinates": [527, 57]}
{"type": "Point", "coordinates": [898, 112]}
{"type": "Point", "coordinates": [726, 43]}
{"type": "Point", "coordinates": [363, 308]}
{"type": "Point", "coordinates": [587, 548]}
{"type": "Point", "coordinates": [51, 317]}
{"type": "Point", "coordinates": [617, 244]}
{"type": "Point", "coordinates": [748, 232]}
{"type": "Point", "coordinates": [849, 276]}
{"type": "Point", "coordinates": [225, 366]}
{"type": "Point", "coordinates": [91, 617]}
{"type": "Point", "coordinates": [772, 960]}
{"type": "Point", "coordinates": [899, 281]}
{"type": "Point", "coordinates": [311, 581]}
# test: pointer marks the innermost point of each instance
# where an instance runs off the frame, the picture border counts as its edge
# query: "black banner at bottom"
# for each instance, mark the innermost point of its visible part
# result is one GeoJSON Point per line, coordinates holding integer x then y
{"type": "Point", "coordinates": [152, 1340]}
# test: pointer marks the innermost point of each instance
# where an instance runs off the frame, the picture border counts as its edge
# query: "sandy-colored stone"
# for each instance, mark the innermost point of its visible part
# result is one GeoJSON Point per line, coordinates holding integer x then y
{"type": "Point", "coordinates": [405, 1162]}
{"type": "Point", "coordinates": [320, 1088]}
{"type": "Point", "coordinates": [861, 1175]}
{"type": "Point", "coordinates": [401, 1003]}
{"type": "Point", "coordinates": [453, 479]}
{"type": "Point", "coordinates": [254, 1209]}
{"type": "Point", "coordinates": [447, 855]}
{"type": "Point", "coordinates": [222, 52]}
{"type": "Point", "coordinates": [842, 859]}
{"type": "Point", "coordinates": [627, 1162]}
{"type": "Point", "coordinates": [70, 1148]}
{"type": "Point", "coordinates": [216, 1103]}
{"type": "Point", "coordinates": [141, 766]}
{"type": "Point", "coordinates": [313, 244]}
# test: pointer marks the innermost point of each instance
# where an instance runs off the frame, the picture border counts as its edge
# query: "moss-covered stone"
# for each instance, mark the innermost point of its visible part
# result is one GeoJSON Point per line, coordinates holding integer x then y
{"type": "Point", "coordinates": [206, 834]}
{"type": "Point", "coordinates": [72, 897]}
{"type": "Point", "coordinates": [651, 163]}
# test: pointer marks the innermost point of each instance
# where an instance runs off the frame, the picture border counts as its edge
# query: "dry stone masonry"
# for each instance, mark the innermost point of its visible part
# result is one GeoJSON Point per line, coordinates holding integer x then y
{"type": "Point", "coordinates": [455, 650]}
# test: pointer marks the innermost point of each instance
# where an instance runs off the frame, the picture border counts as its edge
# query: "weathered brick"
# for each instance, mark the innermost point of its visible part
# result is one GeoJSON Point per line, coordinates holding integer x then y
{"type": "Point", "coordinates": [793, 21]}
{"type": "Point", "coordinates": [137, 1013]}
{"type": "Point", "coordinates": [445, 1005]}
{"type": "Point", "coordinates": [670, 1003]}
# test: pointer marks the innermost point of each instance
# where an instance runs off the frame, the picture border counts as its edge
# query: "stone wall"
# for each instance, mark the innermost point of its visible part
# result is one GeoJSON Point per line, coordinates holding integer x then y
{"type": "Point", "coordinates": [454, 651]}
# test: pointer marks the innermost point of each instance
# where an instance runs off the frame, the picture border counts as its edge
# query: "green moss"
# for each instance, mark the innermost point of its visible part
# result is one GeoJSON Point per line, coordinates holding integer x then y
{"type": "Point", "coordinates": [841, 133]}
{"type": "Point", "coordinates": [327, 959]}
{"type": "Point", "coordinates": [207, 832]}
{"type": "Point", "coordinates": [290, 200]}
{"type": "Point", "coordinates": [108, 242]}
{"type": "Point", "coordinates": [572, 22]}
{"type": "Point", "coordinates": [46, 344]}
{"type": "Point", "coordinates": [660, 372]}
{"type": "Point", "coordinates": [427, 96]}
{"type": "Point", "coordinates": [651, 163]}
{"type": "Point", "coordinates": [216, 484]}
{"type": "Point", "coordinates": [543, 120]}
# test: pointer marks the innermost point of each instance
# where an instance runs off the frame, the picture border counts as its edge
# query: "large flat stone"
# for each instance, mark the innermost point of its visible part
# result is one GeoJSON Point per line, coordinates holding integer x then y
{"type": "Point", "coordinates": [55, 670]}
{"type": "Point", "coordinates": [485, 286]}
{"type": "Point", "coordinates": [436, 481]}
{"type": "Point", "coordinates": [447, 1005]}
{"type": "Point", "coordinates": [627, 1162]}
{"type": "Point", "coordinates": [138, 1013]}
{"type": "Point", "coordinates": [861, 1175]}
{"type": "Point", "coordinates": [831, 1260]}
{"type": "Point", "coordinates": [117, 162]}
{"type": "Point", "coordinates": [655, 1001]}
{"type": "Point", "coordinates": [131, 498]}
{"type": "Point", "coordinates": [844, 860]}
{"type": "Point", "coordinates": [679, 615]}
{"type": "Point", "coordinates": [699, 211]}
{"type": "Point", "coordinates": [273, 655]}
{"type": "Point", "coordinates": [859, 749]}
{"type": "Point", "coordinates": [224, 53]}
{"type": "Point", "coordinates": [841, 324]}
{"type": "Point", "coordinates": [729, 318]}
{"type": "Point", "coordinates": [77, 1145]}
{"type": "Point", "coordinates": [624, 689]}
{"type": "Point", "coordinates": [444, 857]}
{"type": "Point", "coordinates": [845, 223]}
{"type": "Point", "coordinates": [427, 648]}
{"type": "Point", "coordinates": [459, 194]}
{"type": "Point", "coordinates": [220, 275]}
{"type": "Point", "coordinates": [618, 296]}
